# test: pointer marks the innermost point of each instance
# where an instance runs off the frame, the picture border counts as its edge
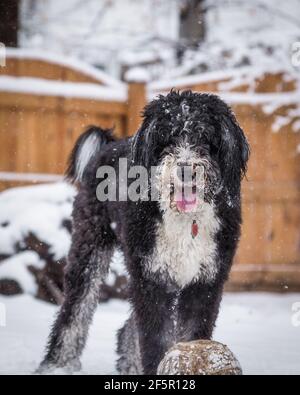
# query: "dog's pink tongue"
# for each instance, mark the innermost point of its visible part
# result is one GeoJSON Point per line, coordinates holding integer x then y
{"type": "Point", "coordinates": [186, 202]}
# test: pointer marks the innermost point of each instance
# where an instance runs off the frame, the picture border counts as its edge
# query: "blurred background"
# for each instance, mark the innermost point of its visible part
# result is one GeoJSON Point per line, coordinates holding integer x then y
{"type": "Point", "coordinates": [66, 65]}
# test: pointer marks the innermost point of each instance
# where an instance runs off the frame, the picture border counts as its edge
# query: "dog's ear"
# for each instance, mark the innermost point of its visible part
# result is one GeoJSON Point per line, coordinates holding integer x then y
{"type": "Point", "coordinates": [234, 150]}
{"type": "Point", "coordinates": [144, 143]}
{"type": "Point", "coordinates": [139, 155]}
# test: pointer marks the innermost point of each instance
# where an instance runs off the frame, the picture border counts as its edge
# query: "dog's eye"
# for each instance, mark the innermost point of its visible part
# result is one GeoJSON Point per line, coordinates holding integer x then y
{"type": "Point", "coordinates": [214, 145]}
{"type": "Point", "coordinates": [214, 150]}
{"type": "Point", "coordinates": [166, 151]}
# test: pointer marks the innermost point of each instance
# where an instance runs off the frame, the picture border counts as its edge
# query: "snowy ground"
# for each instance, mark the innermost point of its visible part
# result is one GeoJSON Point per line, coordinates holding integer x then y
{"type": "Point", "coordinates": [257, 327]}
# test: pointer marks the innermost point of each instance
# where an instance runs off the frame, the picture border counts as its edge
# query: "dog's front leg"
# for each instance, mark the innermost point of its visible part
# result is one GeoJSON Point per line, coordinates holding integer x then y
{"type": "Point", "coordinates": [88, 265]}
{"type": "Point", "coordinates": [198, 310]}
{"type": "Point", "coordinates": [154, 311]}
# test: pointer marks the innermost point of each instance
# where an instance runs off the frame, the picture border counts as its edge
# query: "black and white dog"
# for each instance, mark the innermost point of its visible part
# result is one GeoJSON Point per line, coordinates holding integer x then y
{"type": "Point", "coordinates": [178, 249]}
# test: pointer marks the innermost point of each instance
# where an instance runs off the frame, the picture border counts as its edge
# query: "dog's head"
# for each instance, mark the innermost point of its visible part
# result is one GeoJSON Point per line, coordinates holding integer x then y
{"type": "Point", "coordinates": [198, 146]}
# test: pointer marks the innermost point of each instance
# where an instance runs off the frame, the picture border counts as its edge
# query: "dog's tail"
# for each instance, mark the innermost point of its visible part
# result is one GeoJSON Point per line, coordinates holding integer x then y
{"type": "Point", "coordinates": [87, 147]}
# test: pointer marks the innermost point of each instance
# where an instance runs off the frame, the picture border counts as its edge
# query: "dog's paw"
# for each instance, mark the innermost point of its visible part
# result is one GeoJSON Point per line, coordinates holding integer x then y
{"type": "Point", "coordinates": [47, 368]}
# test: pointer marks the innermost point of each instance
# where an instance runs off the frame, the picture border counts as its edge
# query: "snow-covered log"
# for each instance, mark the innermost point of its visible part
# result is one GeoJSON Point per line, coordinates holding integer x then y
{"type": "Point", "coordinates": [202, 358]}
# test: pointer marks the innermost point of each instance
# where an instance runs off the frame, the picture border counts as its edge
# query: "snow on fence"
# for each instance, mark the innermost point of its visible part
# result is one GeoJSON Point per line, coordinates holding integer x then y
{"type": "Point", "coordinates": [39, 124]}
{"type": "Point", "coordinates": [44, 65]}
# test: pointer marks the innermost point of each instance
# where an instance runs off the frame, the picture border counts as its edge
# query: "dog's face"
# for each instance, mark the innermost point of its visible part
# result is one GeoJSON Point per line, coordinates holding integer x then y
{"type": "Point", "coordinates": [197, 145]}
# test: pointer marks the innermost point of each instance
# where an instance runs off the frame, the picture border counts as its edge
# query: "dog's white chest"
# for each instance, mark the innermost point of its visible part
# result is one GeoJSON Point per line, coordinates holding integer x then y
{"type": "Point", "coordinates": [180, 256]}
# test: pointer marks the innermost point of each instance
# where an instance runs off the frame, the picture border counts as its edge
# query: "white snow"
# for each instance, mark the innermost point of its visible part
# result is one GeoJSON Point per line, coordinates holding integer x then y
{"type": "Point", "coordinates": [117, 267]}
{"type": "Point", "coordinates": [256, 327]}
{"type": "Point", "coordinates": [291, 116]}
{"type": "Point", "coordinates": [99, 32]}
{"type": "Point", "coordinates": [40, 86]}
{"type": "Point", "coordinates": [39, 210]}
{"type": "Point", "coordinates": [16, 268]}
{"type": "Point", "coordinates": [115, 34]}
{"type": "Point", "coordinates": [270, 101]}
{"type": "Point", "coordinates": [138, 75]}
{"type": "Point", "coordinates": [296, 126]}
{"type": "Point", "coordinates": [30, 177]}
{"type": "Point", "coordinates": [110, 34]}
{"type": "Point", "coordinates": [280, 122]}
{"type": "Point", "coordinates": [210, 76]}
{"type": "Point", "coordinates": [132, 59]}
{"type": "Point", "coordinates": [255, 33]}
{"type": "Point", "coordinates": [276, 100]}
{"type": "Point", "coordinates": [66, 61]}
{"type": "Point", "coordinates": [23, 340]}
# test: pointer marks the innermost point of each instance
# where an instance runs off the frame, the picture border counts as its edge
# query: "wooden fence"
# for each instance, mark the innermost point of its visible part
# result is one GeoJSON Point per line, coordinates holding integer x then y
{"type": "Point", "coordinates": [37, 132]}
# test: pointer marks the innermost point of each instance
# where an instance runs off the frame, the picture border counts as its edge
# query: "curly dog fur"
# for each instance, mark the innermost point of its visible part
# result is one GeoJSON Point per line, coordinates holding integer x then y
{"type": "Point", "coordinates": [176, 279]}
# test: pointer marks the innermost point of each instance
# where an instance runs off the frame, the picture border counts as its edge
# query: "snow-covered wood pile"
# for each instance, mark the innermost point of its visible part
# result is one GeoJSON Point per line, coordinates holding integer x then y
{"type": "Point", "coordinates": [35, 237]}
{"type": "Point", "coordinates": [200, 358]}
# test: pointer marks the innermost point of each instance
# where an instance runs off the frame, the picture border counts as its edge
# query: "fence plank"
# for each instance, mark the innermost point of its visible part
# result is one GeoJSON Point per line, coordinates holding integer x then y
{"type": "Point", "coordinates": [94, 106]}
{"type": "Point", "coordinates": [8, 140]}
{"type": "Point", "coordinates": [35, 68]}
{"type": "Point", "coordinates": [136, 104]}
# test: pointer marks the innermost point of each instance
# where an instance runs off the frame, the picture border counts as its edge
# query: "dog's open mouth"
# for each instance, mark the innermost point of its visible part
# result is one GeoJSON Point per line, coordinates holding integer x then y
{"type": "Point", "coordinates": [184, 199]}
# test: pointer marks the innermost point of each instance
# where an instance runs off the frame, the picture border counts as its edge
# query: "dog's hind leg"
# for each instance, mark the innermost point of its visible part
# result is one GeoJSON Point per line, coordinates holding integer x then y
{"type": "Point", "coordinates": [129, 362]}
{"type": "Point", "coordinates": [88, 264]}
